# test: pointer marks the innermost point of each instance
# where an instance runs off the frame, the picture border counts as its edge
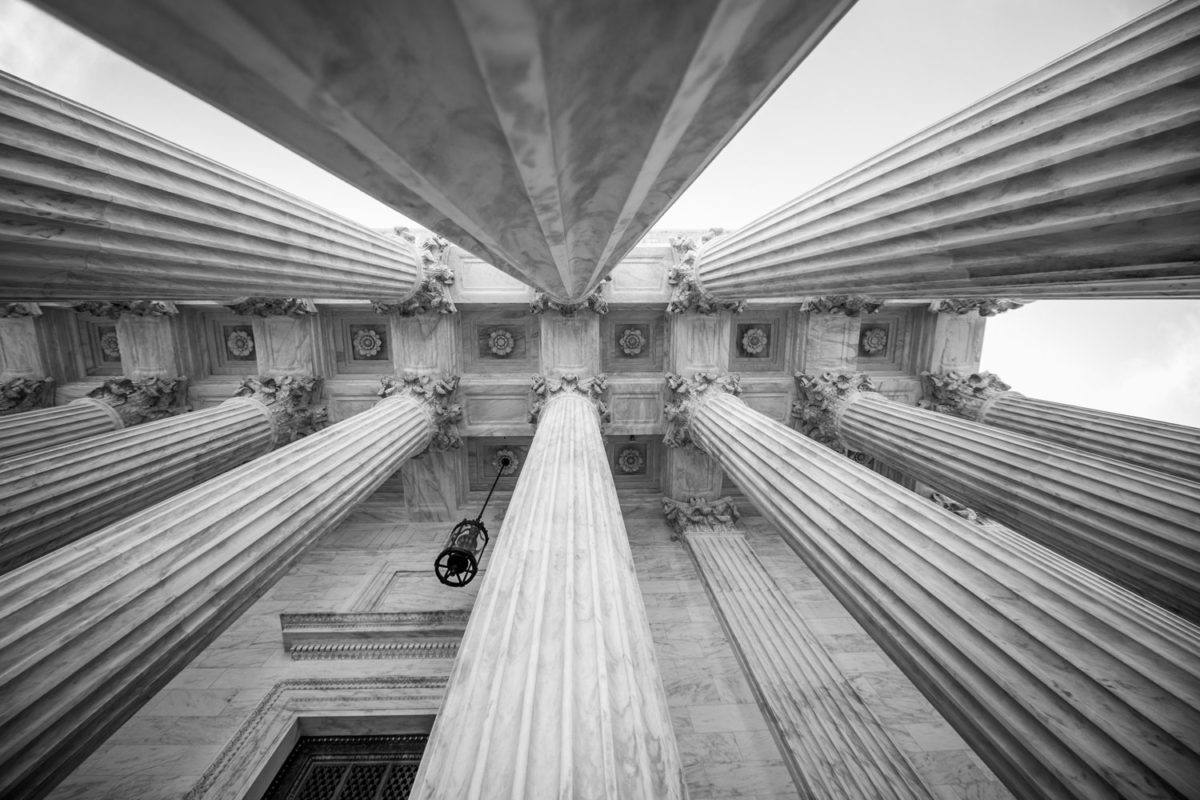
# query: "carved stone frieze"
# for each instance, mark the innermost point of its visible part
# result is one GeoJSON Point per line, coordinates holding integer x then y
{"type": "Point", "coordinates": [965, 305]}
{"type": "Point", "coordinates": [820, 399]}
{"type": "Point", "coordinates": [272, 307]}
{"type": "Point", "coordinates": [697, 512]}
{"type": "Point", "coordinates": [849, 304]}
{"type": "Point", "coordinates": [436, 394]}
{"type": "Point", "coordinates": [433, 291]}
{"type": "Point", "coordinates": [142, 399]}
{"type": "Point", "coordinates": [685, 394]}
{"type": "Point", "coordinates": [687, 294]}
{"type": "Point", "coordinates": [20, 310]}
{"type": "Point", "coordinates": [542, 389]}
{"type": "Point", "coordinates": [138, 308]}
{"type": "Point", "coordinates": [289, 400]}
{"type": "Point", "coordinates": [595, 302]}
{"type": "Point", "coordinates": [25, 394]}
{"type": "Point", "coordinates": [960, 395]}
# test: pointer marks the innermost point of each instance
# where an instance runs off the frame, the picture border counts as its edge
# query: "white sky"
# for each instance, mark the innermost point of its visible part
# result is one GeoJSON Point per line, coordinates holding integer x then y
{"type": "Point", "coordinates": [888, 69]}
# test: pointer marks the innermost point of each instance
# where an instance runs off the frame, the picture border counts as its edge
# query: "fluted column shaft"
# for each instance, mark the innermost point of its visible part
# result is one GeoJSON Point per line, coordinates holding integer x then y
{"type": "Point", "coordinates": [93, 629]}
{"type": "Point", "coordinates": [1159, 446]}
{"type": "Point", "coordinates": [50, 427]}
{"type": "Point", "coordinates": [835, 747]}
{"type": "Point", "coordinates": [53, 497]}
{"type": "Point", "coordinates": [1065, 683]}
{"type": "Point", "coordinates": [555, 691]}
{"type": "Point", "coordinates": [1129, 524]}
{"type": "Point", "coordinates": [1081, 180]}
{"type": "Point", "coordinates": [93, 208]}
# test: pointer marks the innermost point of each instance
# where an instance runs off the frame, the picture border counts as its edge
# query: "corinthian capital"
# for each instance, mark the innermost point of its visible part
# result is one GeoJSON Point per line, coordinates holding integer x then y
{"type": "Point", "coordinates": [965, 305]}
{"type": "Point", "coordinates": [433, 290]}
{"type": "Point", "coordinates": [143, 399]}
{"type": "Point", "coordinates": [697, 512]}
{"type": "Point", "coordinates": [849, 304]}
{"type": "Point", "coordinates": [436, 394]}
{"type": "Point", "coordinates": [820, 400]}
{"type": "Point", "coordinates": [20, 310]}
{"type": "Point", "coordinates": [686, 394]}
{"type": "Point", "coordinates": [272, 307]}
{"type": "Point", "coordinates": [595, 302]}
{"type": "Point", "coordinates": [966, 396]}
{"type": "Point", "coordinates": [687, 294]}
{"type": "Point", "coordinates": [138, 308]}
{"type": "Point", "coordinates": [289, 401]}
{"type": "Point", "coordinates": [25, 394]}
{"type": "Point", "coordinates": [543, 389]}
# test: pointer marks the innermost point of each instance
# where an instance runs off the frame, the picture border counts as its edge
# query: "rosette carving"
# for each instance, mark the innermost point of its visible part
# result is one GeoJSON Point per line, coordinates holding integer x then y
{"type": "Point", "coordinates": [25, 394]}
{"type": "Point", "coordinates": [685, 394]}
{"type": "Point", "coordinates": [849, 304]}
{"type": "Point", "coordinates": [138, 308]}
{"type": "Point", "coordinates": [543, 389]}
{"type": "Point", "coordinates": [820, 399]}
{"type": "Point", "coordinates": [272, 307]}
{"type": "Point", "coordinates": [143, 399]}
{"type": "Point", "coordinates": [289, 399]}
{"type": "Point", "coordinates": [697, 512]}
{"type": "Point", "coordinates": [687, 294]}
{"type": "Point", "coordinates": [595, 302]}
{"type": "Point", "coordinates": [436, 394]}
{"type": "Point", "coordinates": [433, 290]}
{"type": "Point", "coordinates": [20, 310]}
{"type": "Point", "coordinates": [965, 305]}
{"type": "Point", "coordinates": [961, 395]}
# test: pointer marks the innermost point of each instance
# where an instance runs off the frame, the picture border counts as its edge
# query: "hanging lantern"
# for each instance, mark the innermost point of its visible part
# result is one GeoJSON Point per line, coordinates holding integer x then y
{"type": "Point", "coordinates": [458, 562]}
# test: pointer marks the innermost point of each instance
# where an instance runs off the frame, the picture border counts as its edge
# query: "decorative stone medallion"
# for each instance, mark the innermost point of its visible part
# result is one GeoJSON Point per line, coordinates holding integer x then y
{"type": "Point", "coordinates": [514, 463]}
{"type": "Point", "coordinates": [501, 342]}
{"type": "Point", "coordinates": [110, 345]}
{"type": "Point", "coordinates": [239, 342]}
{"type": "Point", "coordinates": [873, 340]}
{"type": "Point", "coordinates": [633, 340]}
{"type": "Point", "coordinates": [753, 340]}
{"type": "Point", "coordinates": [630, 459]}
{"type": "Point", "coordinates": [368, 343]}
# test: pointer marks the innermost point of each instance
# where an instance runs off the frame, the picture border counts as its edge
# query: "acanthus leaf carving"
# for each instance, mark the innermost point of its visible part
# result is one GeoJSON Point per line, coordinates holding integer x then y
{"type": "Point", "coordinates": [20, 310]}
{"type": "Point", "coordinates": [142, 399]}
{"type": "Point", "coordinates": [965, 305]}
{"type": "Point", "coordinates": [543, 389]}
{"type": "Point", "coordinates": [436, 393]}
{"type": "Point", "coordinates": [687, 294]}
{"type": "Point", "coordinates": [138, 308]}
{"type": "Point", "coordinates": [960, 395]}
{"type": "Point", "coordinates": [698, 512]}
{"type": "Point", "coordinates": [595, 302]}
{"type": "Point", "coordinates": [955, 507]}
{"type": "Point", "coordinates": [25, 394]}
{"type": "Point", "coordinates": [820, 400]}
{"type": "Point", "coordinates": [433, 290]}
{"type": "Point", "coordinates": [289, 401]}
{"type": "Point", "coordinates": [272, 307]}
{"type": "Point", "coordinates": [851, 305]}
{"type": "Point", "coordinates": [685, 394]}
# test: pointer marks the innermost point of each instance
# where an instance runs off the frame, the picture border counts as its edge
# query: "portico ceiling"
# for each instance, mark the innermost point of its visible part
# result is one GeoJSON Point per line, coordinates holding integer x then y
{"type": "Point", "coordinates": [544, 137]}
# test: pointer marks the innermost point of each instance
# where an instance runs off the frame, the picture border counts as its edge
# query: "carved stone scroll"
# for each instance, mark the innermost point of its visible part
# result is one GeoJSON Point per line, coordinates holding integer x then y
{"type": "Point", "coordinates": [687, 294]}
{"type": "Point", "coordinates": [25, 394]}
{"type": "Point", "coordinates": [436, 395]}
{"type": "Point", "coordinates": [433, 291]}
{"type": "Point", "coordinates": [821, 398]}
{"type": "Point", "coordinates": [849, 304]}
{"type": "Point", "coordinates": [289, 402]}
{"type": "Point", "coordinates": [138, 308]}
{"type": "Point", "coordinates": [543, 389]}
{"type": "Point", "coordinates": [595, 302]}
{"type": "Point", "coordinates": [697, 513]}
{"type": "Point", "coordinates": [141, 400]}
{"type": "Point", "coordinates": [685, 393]}
{"type": "Point", "coordinates": [965, 305]}
{"type": "Point", "coordinates": [272, 307]}
{"type": "Point", "coordinates": [961, 395]}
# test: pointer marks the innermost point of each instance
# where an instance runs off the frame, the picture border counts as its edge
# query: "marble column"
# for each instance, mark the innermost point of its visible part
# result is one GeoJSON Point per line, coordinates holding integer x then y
{"type": "Point", "coordinates": [117, 403]}
{"type": "Point", "coordinates": [1129, 524]}
{"type": "Point", "coordinates": [555, 691]}
{"type": "Point", "coordinates": [99, 209]}
{"type": "Point", "coordinates": [1066, 684]}
{"type": "Point", "coordinates": [983, 397]}
{"type": "Point", "coordinates": [52, 497]}
{"type": "Point", "coordinates": [832, 743]}
{"type": "Point", "coordinates": [1076, 181]}
{"type": "Point", "coordinates": [92, 630]}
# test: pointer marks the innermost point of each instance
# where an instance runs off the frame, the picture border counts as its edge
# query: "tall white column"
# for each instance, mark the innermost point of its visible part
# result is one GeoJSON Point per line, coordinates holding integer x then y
{"type": "Point", "coordinates": [1066, 684]}
{"type": "Point", "coordinates": [92, 630]}
{"type": "Point", "coordinates": [555, 691]}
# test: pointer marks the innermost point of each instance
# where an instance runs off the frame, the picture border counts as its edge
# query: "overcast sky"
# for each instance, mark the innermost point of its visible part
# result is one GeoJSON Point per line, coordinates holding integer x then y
{"type": "Point", "coordinates": [889, 69]}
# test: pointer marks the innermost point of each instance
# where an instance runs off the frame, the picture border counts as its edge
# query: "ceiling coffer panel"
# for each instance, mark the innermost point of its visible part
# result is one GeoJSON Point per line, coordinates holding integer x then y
{"type": "Point", "coordinates": [543, 136]}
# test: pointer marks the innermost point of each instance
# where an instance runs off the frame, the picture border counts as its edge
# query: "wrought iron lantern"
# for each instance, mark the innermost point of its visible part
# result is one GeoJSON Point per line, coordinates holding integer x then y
{"type": "Point", "coordinates": [458, 562]}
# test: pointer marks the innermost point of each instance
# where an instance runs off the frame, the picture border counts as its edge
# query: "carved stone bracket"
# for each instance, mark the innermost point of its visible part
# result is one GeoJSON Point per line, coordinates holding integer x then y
{"type": "Point", "coordinates": [594, 302]}
{"type": "Point", "coordinates": [433, 291]}
{"type": "Point", "coordinates": [143, 399]}
{"type": "Point", "coordinates": [436, 394]}
{"type": "Point", "coordinates": [849, 304]}
{"type": "Point", "coordinates": [687, 294]}
{"type": "Point", "coordinates": [138, 308]}
{"type": "Point", "coordinates": [272, 307]}
{"type": "Point", "coordinates": [966, 396]}
{"type": "Point", "coordinates": [20, 310]}
{"type": "Point", "coordinates": [687, 393]}
{"type": "Point", "coordinates": [965, 305]}
{"type": "Point", "coordinates": [820, 400]}
{"type": "Point", "coordinates": [543, 389]}
{"type": "Point", "coordinates": [289, 400]}
{"type": "Point", "coordinates": [25, 394]}
{"type": "Point", "coordinates": [697, 512]}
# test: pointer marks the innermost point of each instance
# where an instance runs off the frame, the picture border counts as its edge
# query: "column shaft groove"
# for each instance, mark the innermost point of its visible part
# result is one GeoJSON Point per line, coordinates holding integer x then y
{"type": "Point", "coordinates": [31, 431]}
